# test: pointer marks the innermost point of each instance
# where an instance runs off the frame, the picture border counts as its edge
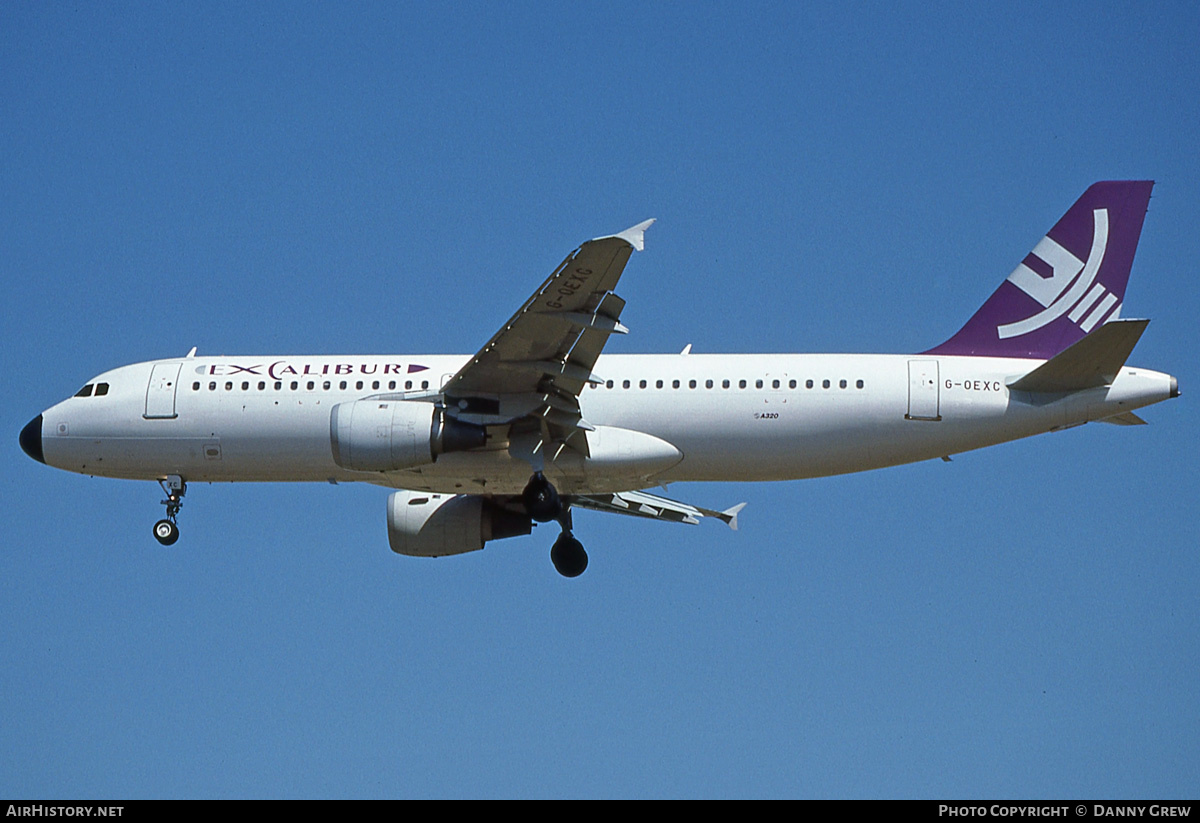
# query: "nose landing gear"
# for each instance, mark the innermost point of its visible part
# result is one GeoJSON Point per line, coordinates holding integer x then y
{"type": "Point", "coordinates": [166, 531]}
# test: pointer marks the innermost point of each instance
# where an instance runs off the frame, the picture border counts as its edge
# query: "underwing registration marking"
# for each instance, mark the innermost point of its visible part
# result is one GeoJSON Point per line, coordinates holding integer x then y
{"type": "Point", "coordinates": [574, 282]}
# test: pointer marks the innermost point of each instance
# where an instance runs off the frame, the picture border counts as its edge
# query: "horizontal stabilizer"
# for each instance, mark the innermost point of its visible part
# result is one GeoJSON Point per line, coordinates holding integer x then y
{"type": "Point", "coordinates": [1092, 362]}
{"type": "Point", "coordinates": [1125, 419]}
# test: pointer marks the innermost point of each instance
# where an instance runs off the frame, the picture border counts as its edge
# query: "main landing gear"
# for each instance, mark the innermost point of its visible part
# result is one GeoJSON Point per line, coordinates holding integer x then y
{"type": "Point", "coordinates": [543, 504]}
{"type": "Point", "coordinates": [165, 530]}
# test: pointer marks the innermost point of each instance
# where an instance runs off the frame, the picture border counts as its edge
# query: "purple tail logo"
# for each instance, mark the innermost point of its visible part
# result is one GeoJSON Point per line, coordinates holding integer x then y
{"type": "Point", "coordinates": [1063, 270]}
{"type": "Point", "coordinates": [1073, 280]}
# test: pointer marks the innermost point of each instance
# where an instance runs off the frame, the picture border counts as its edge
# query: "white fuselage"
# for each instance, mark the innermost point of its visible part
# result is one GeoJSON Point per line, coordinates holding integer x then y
{"type": "Point", "coordinates": [732, 417]}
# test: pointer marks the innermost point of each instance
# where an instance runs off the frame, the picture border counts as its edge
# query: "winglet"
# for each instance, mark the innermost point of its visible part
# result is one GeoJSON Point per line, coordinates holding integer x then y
{"type": "Point", "coordinates": [634, 235]}
{"type": "Point", "coordinates": [730, 515]}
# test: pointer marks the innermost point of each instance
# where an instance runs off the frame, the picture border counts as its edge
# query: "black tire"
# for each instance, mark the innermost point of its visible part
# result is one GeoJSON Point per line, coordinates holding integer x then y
{"type": "Point", "coordinates": [568, 556]}
{"type": "Point", "coordinates": [166, 532]}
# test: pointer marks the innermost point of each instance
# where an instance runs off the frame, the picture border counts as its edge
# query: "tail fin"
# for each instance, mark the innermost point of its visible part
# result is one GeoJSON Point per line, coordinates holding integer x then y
{"type": "Point", "coordinates": [1072, 281]}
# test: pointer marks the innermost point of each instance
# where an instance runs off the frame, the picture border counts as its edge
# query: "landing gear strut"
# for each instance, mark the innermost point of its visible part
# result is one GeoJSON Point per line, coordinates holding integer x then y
{"type": "Point", "coordinates": [543, 504]}
{"type": "Point", "coordinates": [541, 499]}
{"type": "Point", "coordinates": [166, 531]}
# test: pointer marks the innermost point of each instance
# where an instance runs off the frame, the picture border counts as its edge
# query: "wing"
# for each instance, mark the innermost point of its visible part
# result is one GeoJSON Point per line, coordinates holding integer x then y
{"type": "Point", "coordinates": [644, 504]}
{"type": "Point", "coordinates": [532, 371]}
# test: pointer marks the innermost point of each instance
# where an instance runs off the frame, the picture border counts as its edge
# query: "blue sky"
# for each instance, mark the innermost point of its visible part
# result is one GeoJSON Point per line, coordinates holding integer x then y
{"type": "Point", "coordinates": [324, 178]}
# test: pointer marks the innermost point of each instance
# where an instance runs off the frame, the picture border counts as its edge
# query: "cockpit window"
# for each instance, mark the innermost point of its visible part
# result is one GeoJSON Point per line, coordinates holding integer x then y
{"type": "Point", "coordinates": [100, 389]}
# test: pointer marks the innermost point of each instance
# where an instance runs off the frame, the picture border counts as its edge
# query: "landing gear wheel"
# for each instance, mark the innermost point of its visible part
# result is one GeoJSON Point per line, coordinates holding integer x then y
{"type": "Point", "coordinates": [568, 556]}
{"type": "Point", "coordinates": [541, 499]}
{"type": "Point", "coordinates": [166, 532]}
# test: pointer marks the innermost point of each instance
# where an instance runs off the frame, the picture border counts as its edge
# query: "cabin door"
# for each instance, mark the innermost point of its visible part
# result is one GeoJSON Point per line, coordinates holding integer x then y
{"type": "Point", "coordinates": [160, 394]}
{"type": "Point", "coordinates": [923, 390]}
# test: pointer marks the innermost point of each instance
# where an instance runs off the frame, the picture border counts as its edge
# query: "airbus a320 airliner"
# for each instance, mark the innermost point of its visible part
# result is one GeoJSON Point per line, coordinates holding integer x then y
{"type": "Point", "coordinates": [539, 422]}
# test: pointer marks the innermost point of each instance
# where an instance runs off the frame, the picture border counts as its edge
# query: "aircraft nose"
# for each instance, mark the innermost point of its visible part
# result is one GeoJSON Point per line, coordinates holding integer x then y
{"type": "Point", "coordinates": [31, 439]}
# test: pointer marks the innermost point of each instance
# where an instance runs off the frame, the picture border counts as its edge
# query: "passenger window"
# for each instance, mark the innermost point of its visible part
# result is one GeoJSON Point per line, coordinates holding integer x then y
{"type": "Point", "coordinates": [642, 384]}
{"type": "Point", "coordinates": [342, 385]}
{"type": "Point", "coordinates": [691, 384]}
{"type": "Point", "coordinates": [408, 384]}
{"type": "Point", "coordinates": [391, 384]}
{"type": "Point", "coordinates": [278, 385]}
{"type": "Point", "coordinates": [374, 384]}
{"type": "Point", "coordinates": [724, 384]}
{"type": "Point", "coordinates": [424, 384]}
{"type": "Point", "coordinates": [758, 384]}
{"type": "Point", "coordinates": [842, 384]}
{"type": "Point", "coordinates": [741, 384]}
{"type": "Point", "coordinates": [824, 384]}
{"type": "Point", "coordinates": [212, 386]}
{"type": "Point", "coordinates": [608, 384]}
{"type": "Point", "coordinates": [708, 384]}
{"type": "Point", "coordinates": [674, 384]}
{"type": "Point", "coordinates": [859, 384]}
{"type": "Point", "coordinates": [625, 384]}
{"type": "Point", "coordinates": [658, 384]}
{"type": "Point", "coordinates": [791, 384]}
{"type": "Point", "coordinates": [808, 384]}
{"type": "Point", "coordinates": [196, 386]}
{"type": "Point", "coordinates": [774, 384]}
{"type": "Point", "coordinates": [295, 385]}
{"type": "Point", "coordinates": [245, 385]}
{"type": "Point", "coordinates": [86, 391]}
{"type": "Point", "coordinates": [310, 385]}
{"type": "Point", "coordinates": [358, 385]}
{"type": "Point", "coordinates": [262, 384]}
{"type": "Point", "coordinates": [325, 385]}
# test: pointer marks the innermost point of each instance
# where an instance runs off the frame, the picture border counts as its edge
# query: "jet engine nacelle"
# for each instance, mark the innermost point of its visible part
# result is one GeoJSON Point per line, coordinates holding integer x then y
{"type": "Point", "coordinates": [433, 525]}
{"type": "Point", "coordinates": [387, 435]}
